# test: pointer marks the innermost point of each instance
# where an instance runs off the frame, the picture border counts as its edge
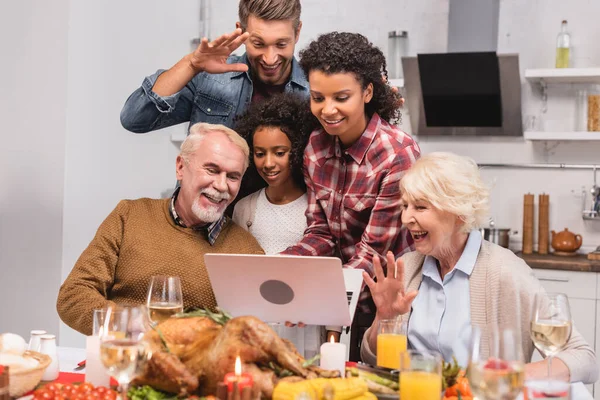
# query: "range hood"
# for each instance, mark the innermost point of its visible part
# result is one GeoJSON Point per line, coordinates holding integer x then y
{"type": "Point", "coordinates": [471, 90]}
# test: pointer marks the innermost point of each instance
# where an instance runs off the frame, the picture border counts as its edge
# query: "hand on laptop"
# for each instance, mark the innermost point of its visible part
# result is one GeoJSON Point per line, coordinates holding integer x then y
{"type": "Point", "coordinates": [291, 325]}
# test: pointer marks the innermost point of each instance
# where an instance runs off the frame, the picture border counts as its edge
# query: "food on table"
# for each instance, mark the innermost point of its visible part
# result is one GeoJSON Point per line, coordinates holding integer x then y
{"type": "Point", "coordinates": [192, 353]}
{"type": "Point", "coordinates": [85, 391]}
{"type": "Point", "coordinates": [17, 363]}
{"type": "Point", "coordinates": [331, 389]}
{"type": "Point", "coordinates": [375, 382]}
{"type": "Point", "coordinates": [11, 343]}
{"type": "Point", "coordinates": [148, 393]}
{"type": "Point", "coordinates": [454, 382]}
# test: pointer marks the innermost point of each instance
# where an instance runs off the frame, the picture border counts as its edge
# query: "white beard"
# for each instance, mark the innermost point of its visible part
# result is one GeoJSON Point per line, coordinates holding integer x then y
{"type": "Point", "coordinates": [209, 214]}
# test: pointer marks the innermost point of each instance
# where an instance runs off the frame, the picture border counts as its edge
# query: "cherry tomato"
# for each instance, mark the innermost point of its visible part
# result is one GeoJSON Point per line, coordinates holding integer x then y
{"type": "Point", "coordinates": [67, 387]}
{"type": "Point", "coordinates": [109, 395]}
{"type": "Point", "coordinates": [53, 387]}
{"type": "Point", "coordinates": [100, 389]}
{"type": "Point", "coordinates": [43, 394]}
{"type": "Point", "coordinates": [86, 387]}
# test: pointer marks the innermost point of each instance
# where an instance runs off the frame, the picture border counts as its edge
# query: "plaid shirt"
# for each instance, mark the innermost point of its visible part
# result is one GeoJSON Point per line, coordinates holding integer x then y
{"type": "Point", "coordinates": [354, 196]}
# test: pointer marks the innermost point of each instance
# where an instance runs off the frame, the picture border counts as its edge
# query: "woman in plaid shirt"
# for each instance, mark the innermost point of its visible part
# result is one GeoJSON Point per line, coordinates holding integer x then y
{"type": "Point", "coordinates": [354, 162]}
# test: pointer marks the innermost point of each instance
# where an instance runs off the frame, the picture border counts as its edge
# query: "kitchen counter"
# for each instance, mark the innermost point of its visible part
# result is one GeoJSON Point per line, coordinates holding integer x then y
{"type": "Point", "coordinates": [578, 262]}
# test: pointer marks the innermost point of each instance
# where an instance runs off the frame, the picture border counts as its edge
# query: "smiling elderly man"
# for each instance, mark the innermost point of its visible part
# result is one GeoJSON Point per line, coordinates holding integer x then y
{"type": "Point", "coordinates": [146, 237]}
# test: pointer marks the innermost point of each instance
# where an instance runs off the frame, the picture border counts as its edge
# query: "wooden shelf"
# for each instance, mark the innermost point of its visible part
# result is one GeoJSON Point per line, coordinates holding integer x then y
{"type": "Point", "coordinates": [564, 75]}
{"type": "Point", "coordinates": [560, 136]}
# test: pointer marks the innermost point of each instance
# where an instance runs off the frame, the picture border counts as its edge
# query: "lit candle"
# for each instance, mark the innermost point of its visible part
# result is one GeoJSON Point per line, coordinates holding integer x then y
{"type": "Point", "coordinates": [243, 379]}
{"type": "Point", "coordinates": [333, 356]}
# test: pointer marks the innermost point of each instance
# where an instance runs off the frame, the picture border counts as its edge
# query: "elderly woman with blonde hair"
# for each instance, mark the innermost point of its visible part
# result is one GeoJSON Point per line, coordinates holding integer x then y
{"type": "Point", "coordinates": [455, 279]}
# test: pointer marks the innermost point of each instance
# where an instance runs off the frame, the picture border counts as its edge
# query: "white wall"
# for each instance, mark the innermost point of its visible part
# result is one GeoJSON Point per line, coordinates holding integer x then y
{"type": "Point", "coordinates": [112, 46]}
{"type": "Point", "coordinates": [53, 119]}
{"type": "Point", "coordinates": [33, 71]}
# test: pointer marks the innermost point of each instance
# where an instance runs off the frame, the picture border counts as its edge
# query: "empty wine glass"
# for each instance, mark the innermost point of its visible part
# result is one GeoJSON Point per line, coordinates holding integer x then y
{"type": "Point", "coordinates": [164, 298]}
{"type": "Point", "coordinates": [123, 351]}
{"type": "Point", "coordinates": [551, 324]}
{"type": "Point", "coordinates": [496, 367]}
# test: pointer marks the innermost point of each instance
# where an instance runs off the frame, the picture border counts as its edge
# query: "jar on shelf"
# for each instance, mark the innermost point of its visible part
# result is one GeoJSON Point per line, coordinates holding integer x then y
{"type": "Point", "coordinates": [587, 113]}
{"type": "Point", "coordinates": [593, 110]}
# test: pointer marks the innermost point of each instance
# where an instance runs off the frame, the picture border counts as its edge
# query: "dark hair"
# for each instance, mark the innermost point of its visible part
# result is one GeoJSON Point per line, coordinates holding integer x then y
{"type": "Point", "coordinates": [270, 10]}
{"type": "Point", "coordinates": [340, 52]}
{"type": "Point", "coordinates": [292, 115]}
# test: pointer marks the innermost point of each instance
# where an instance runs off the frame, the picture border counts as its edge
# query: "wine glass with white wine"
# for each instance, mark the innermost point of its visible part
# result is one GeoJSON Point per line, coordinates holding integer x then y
{"type": "Point", "coordinates": [164, 298]}
{"type": "Point", "coordinates": [496, 367]}
{"type": "Point", "coordinates": [551, 324]}
{"type": "Point", "coordinates": [123, 350]}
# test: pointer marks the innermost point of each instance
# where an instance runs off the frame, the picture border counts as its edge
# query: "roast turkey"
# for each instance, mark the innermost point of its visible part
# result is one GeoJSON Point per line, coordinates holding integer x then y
{"type": "Point", "coordinates": [192, 354]}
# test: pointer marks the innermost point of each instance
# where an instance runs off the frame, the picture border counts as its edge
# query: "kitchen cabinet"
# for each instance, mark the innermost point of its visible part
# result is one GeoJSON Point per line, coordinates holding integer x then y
{"type": "Point", "coordinates": [582, 290]}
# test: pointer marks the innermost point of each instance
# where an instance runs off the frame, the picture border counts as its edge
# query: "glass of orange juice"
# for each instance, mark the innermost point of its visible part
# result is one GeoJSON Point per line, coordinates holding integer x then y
{"type": "Point", "coordinates": [420, 375]}
{"type": "Point", "coordinates": [391, 342]}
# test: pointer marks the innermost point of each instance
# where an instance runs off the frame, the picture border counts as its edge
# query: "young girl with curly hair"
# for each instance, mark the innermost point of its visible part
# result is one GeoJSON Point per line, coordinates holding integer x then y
{"type": "Point", "coordinates": [353, 163]}
{"type": "Point", "coordinates": [277, 131]}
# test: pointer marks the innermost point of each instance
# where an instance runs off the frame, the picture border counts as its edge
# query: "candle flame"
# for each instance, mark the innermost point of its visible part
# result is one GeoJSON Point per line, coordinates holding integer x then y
{"type": "Point", "coordinates": [238, 366]}
{"type": "Point", "coordinates": [331, 339]}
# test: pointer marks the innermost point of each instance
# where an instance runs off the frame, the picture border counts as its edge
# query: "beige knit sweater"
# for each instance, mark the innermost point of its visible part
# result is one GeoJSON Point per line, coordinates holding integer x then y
{"type": "Point", "coordinates": [137, 240]}
{"type": "Point", "coordinates": [502, 290]}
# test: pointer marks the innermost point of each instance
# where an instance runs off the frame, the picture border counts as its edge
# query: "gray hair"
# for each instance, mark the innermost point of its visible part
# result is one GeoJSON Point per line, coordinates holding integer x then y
{"type": "Point", "coordinates": [270, 10]}
{"type": "Point", "coordinates": [199, 131]}
{"type": "Point", "coordinates": [451, 183]}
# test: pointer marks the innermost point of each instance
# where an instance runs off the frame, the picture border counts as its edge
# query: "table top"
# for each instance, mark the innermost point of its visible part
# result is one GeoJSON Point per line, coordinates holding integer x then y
{"type": "Point", "coordinates": [69, 357]}
{"type": "Point", "coordinates": [576, 262]}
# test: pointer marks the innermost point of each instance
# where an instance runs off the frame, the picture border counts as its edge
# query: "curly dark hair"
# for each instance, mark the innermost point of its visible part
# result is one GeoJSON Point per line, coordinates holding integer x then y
{"type": "Point", "coordinates": [339, 52]}
{"type": "Point", "coordinates": [292, 115]}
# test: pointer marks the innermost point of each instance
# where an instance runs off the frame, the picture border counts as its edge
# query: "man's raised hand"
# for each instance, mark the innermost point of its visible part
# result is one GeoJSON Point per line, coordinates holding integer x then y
{"type": "Point", "coordinates": [212, 56]}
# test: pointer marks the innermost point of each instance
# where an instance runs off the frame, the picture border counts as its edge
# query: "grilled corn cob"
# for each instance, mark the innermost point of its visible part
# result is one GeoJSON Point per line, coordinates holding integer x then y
{"type": "Point", "coordinates": [322, 389]}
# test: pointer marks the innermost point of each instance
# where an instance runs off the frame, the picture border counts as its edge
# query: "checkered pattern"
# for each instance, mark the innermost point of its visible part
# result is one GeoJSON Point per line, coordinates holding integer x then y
{"type": "Point", "coordinates": [354, 196]}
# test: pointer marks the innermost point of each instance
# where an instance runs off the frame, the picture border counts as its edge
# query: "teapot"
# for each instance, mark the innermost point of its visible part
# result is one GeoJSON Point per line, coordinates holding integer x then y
{"type": "Point", "coordinates": [566, 241]}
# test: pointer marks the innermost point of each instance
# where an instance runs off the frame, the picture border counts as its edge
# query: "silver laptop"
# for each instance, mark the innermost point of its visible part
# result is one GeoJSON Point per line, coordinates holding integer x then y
{"type": "Point", "coordinates": [275, 288]}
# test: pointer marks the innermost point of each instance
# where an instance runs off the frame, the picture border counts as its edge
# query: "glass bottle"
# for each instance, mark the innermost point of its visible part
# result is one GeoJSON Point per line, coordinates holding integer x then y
{"type": "Point", "coordinates": [563, 45]}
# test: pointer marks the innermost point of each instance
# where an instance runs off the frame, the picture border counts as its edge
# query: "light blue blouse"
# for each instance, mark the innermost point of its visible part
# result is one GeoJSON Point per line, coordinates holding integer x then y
{"type": "Point", "coordinates": [440, 320]}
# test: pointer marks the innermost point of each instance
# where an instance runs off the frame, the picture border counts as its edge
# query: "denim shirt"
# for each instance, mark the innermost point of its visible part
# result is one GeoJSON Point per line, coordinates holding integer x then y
{"type": "Point", "coordinates": [211, 98]}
